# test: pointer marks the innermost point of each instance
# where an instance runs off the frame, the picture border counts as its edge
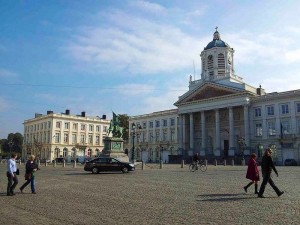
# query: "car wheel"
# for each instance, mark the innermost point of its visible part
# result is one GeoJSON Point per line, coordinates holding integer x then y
{"type": "Point", "coordinates": [125, 170]}
{"type": "Point", "coordinates": [95, 170]}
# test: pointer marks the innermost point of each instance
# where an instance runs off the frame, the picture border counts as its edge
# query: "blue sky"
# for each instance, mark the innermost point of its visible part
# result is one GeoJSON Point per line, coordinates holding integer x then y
{"type": "Point", "coordinates": [133, 57]}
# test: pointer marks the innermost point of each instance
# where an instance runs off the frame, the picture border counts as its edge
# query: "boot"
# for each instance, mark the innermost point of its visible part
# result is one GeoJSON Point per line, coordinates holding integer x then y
{"type": "Point", "coordinates": [248, 185]}
{"type": "Point", "coordinates": [256, 192]}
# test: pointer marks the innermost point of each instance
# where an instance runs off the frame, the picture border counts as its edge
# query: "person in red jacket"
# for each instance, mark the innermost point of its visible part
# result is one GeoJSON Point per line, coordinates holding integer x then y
{"type": "Point", "coordinates": [252, 173]}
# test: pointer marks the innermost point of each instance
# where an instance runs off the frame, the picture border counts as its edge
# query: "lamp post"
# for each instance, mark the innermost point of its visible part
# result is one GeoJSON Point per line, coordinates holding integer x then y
{"type": "Point", "coordinates": [133, 136]}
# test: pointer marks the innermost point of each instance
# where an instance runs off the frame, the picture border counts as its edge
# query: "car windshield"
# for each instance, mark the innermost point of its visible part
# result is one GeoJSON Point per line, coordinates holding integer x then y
{"type": "Point", "coordinates": [114, 160]}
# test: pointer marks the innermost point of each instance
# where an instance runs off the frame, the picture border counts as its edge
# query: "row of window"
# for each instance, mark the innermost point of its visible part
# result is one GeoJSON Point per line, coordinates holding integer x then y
{"type": "Point", "coordinates": [143, 136]}
{"type": "Point", "coordinates": [37, 127]}
{"type": "Point", "coordinates": [158, 123]}
{"type": "Point", "coordinates": [284, 109]}
{"type": "Point", "coordinates": [285, 128]}
{"type": "Point", "coordinates": [83, 127]}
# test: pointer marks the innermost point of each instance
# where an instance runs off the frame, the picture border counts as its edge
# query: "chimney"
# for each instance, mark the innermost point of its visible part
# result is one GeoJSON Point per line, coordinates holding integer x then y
{"type": "Point", "coordinates": [67, 112]}
{"type": "Point", "coordinates": [258, 90]}
{"type": "Point", "coordinates": [83, 114]}
{"type": "Point", "coordinates": [49, 112]}
{"type": "Point", "coordinates": [104, 117]}
{"type": "Point", "coordinates": [37, 115]}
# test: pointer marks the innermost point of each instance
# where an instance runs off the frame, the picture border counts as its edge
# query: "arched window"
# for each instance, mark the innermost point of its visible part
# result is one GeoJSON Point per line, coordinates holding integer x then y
{"type": "Point", "coordinates": [221, 64]}
{"type": "Point", "coordinates": [73, 151]}
{"type": "Point", "coordinates": [65, 152]}
{"type": "Point", "coordinates": [90, 152]}
{"type": "Point", "coordinates": [57, 152]}
{"type": "Point", "coordinates": [210, 65]}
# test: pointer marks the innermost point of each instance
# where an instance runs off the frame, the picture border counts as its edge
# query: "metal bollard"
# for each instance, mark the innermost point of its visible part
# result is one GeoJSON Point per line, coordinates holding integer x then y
{"type": "Point", "coordinates": [182, 163]}
{"type": "Point", "coordinates": [216, 162]}
{"type": "Point", "coordinates": [161, 164]}
{"type": "Point", "coordinates": [20, 162]}
{"type": "Point", "coordinates": [46, 163]}
{"type": "Point", "coordinates": [74, 165]}
{"type": "Point", "coordinates": [243, 162]}
{"type": "Point", "coordinates": [205, 162]}
{"type": "Point", "coordinates": [232, 162]}
{"type": "Point", "coordinates": [54, 163]}
{"type": "Point", "coordinates": [64, 163]}
{"type": "Point", "coordinates": [224, 162]}
{"type": "Point", "coordinates": [143, 164]}
{"type": "Point", "coordinates": [39, 163]}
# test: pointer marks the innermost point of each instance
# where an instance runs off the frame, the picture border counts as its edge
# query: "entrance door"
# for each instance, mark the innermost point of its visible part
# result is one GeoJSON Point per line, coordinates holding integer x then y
{"type": "Point", "coordinates": [226, 147]}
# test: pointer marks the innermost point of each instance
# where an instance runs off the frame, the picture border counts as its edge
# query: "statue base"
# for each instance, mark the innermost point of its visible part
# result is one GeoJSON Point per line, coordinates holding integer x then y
{"type": "Point", "coordinates": [113, 147]}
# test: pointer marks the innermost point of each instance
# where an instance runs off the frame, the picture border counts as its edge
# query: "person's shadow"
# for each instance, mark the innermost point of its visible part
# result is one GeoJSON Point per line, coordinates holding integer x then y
{"type": "Point", "coordinates": [224, 197]}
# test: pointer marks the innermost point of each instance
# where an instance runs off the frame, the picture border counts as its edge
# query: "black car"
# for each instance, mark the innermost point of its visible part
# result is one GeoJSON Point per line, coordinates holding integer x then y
{"type": "Point", "coordinates": [102, 164]}
{"type": "Point", "coordinates": [290, 162]}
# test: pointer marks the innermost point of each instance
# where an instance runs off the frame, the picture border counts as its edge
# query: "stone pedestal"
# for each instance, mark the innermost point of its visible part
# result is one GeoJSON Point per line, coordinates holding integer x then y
{"type": "Point", "coordinates": [113, 147]}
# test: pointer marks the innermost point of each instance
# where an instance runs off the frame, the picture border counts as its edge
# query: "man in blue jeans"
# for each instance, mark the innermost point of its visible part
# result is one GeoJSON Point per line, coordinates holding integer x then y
{"type": "Point", "coordinates": [12, 175]}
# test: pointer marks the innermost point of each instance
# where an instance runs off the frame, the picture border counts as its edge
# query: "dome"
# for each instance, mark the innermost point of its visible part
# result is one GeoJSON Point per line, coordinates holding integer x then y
{"type": "Point", "coordinates": [216, 42]}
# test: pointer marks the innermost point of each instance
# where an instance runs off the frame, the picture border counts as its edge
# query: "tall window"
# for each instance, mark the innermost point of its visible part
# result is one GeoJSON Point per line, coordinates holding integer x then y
{"type": "Point", "coordinates": [165, 136]}
{"type": "Point", "coordinates": [298, 107]}
{"type": "Point", "coordinates": [65, 152]}
{"type": "Point", "coordinates": [284, 109]}
{"type": "Point", "coordinates": [91, 128]}
{"type": "Point", "coordinates": [221, 64]}
{"type": "Point", "coordinates": [271, 128]}
{"type": "Point", "coordinates": [74, 138]}
{"type": "Point", "coordinates": [66, 138]}
{"type": "Point", "coordinates": [151, 124]}
{"type": "Point", "coordinates": [57, 137]}
{"type": "Point", "coordinates": [144, 125]}
{"type": "Point", "coordinates": [210, 65]}
{"type": "Point", "coordinates": [270, 110]}
{"type": "Point", "coordinates": [57, 124]}
{"type": "Point", "coordinates": [104, 128]}
{"type": "Point", "coordinates": [157, 136]}
{"type": "Point", "coordinates": [258, 129]}
{"type": "Point", "coordinates": [90, 139]}
{"type": "Point", "coordinates": [97, 140]}
{"type": "Point", "coordinates": [285, 127]}
{"type": "Point", "coordinates": [82, 138]}
{"type": "Point", "coordinates": [157, 123]}
{"type": "Point", "coordinates": [257, 112]}
{"type": "Point", "coordinates": [82, 126]}
{"type": "Point", "coordinates": [165, 123]}
{"type": "Point", "coordinates": [67, 126]}
{"type": "Point", "coordinates": [49, 124]}
{"type": "Point", "coordinates": [98, 128]}
{"type": "Point", "coordinates": [75, 126]}
{"type": "Point", "coordinates": [172, 135]}
{"type": "Point", "coordinates": [172, 121]}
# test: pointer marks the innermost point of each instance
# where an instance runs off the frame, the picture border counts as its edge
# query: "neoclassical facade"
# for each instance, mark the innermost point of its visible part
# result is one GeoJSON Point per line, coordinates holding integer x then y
{"type": "Point", "coordinates": [64, 135]}
{"type": "Point", "coordinates": [222, 116]}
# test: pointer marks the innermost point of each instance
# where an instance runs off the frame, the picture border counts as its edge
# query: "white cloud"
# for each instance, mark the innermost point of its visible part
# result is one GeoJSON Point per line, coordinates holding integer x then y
{"type": "Point", "coordinates": [4, 104]}
{"type": "Point", "coordinates": [7, 73]}
{"type": "Point", "coordinates": [134, 89]}
{"type": "Point", "coordinates": [148, 6]}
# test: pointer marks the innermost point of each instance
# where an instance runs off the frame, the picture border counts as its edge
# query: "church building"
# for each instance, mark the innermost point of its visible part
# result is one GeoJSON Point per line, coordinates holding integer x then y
{"type": "Point", "coordinates": [220, 116]}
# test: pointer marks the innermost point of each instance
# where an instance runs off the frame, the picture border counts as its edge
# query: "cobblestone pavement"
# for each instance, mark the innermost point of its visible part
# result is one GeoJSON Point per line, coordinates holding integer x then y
{"type": "Point", "coordinates": [171, 195]}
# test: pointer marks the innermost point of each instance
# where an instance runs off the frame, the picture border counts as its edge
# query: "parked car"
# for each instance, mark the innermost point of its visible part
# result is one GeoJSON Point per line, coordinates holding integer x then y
{"type": "Point", "coordinates": [60, 159]}
{"type": "Point", "coordinates": [290, 162]}
{"type": "Point", "coordinates": [101, 164]}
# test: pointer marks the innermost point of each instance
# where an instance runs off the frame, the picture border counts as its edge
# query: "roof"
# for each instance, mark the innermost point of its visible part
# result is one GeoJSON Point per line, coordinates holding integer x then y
{"type": "Point", "coordinates": [216, 42]}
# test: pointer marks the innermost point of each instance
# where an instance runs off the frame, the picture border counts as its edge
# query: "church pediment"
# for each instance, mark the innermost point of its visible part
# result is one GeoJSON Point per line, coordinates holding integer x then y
{"type": "Point", "coordinates": [208, 91]}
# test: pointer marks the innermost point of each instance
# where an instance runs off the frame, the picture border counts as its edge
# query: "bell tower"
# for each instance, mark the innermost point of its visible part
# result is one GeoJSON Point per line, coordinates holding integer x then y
{"type": "Point", "coordinates": [217, 60]}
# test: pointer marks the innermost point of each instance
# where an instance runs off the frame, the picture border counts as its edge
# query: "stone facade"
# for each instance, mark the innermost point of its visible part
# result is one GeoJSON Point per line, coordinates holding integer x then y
{"type": "Point", "coordinates": [221, 116]}
{"type": "Point", "coordinates": [57, 135]}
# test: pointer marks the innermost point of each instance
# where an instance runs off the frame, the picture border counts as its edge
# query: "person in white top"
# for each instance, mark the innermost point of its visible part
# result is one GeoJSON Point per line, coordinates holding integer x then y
{"type": "Point", "coordinates": [12, 175]}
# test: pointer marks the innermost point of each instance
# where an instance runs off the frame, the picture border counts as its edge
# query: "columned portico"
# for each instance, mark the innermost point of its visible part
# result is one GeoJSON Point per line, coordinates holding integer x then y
{"type": "Point", "coordinates": [247, 129]}
{"type": "Point", "coordinates": [231, 133]}
{"type": "Point", "coordinates": [191, 133]}
{"type": "Point", "coordinates": [218, 142]}
{"type": "Point", "coordinates": [180, 132]}
{"type": "Point", "coordinates": [203, 136]}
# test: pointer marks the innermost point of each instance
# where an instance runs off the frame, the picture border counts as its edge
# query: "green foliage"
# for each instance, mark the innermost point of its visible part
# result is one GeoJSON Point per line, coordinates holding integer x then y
{"type": "Point", "coordinates": [17, 143]}
{"type": "Point", "coordinates": [123, 118]}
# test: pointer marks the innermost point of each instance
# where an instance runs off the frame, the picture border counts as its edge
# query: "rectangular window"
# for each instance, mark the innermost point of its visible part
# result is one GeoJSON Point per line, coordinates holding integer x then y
{"type": "Point", "coordinates": [165, 123]}
{"type": "Point", "coordinates": [144, 125]}
{"type": "Point", "coordinates": [172, 135]}
{"type": "Point", "coordinates": [257, 112]}
{"type": "Point", "coordinates": [82, 127]}
{"type": "Point", "coordinates": [165, 136]}
{"type": "Point", "coordinates": [49, 124]}
{"type": "Point", "coordinates": [258, 130]}
{"type": "Point", "coordinates": [74, 139]}
{"type": "Point", "coordinates": [298, 107]}
{"type": "Point", "coordinates": [172, 121]}
{"type": "Point", "coordinates": [270, 110]}
{"type": "Point", "coordinates": [75, 126]}
{"type": "Point", "coordinates": [91, 128]}
{"type": "Point", "coordinates": [151, 124]}
{"type": "Point", "coordinates": [90, 139]}
{"type": "Point", "coordinates": [284, 109]}
{"type": "Point", "coordinates": [157, 136]}
{"type": "Point", "coordinates": [57, 137]}
{"type": "Point", "coordinates": [271, 128]}
{"type": "Point", "coordinates": [57, 124]}
{"type": "Point", "coordinates": [42, 126]}
{"type": "Point", "coordinates": [66, 138]}
{"type": "Point", "coordinates": [67, 126]}
{"type": "Point", "coordinates": [285, 127]}
{"type": "Point", "coordinates": [104, 128]}
{"type": "Point", "coordinates": [98, 128]}
{"type": "Point", "coordinates": [97, 140]}
{"type": "Point", "coordinates": [157, 123]}
{"type": "Point", "coordinates": [82, 138]}
{"type": "Point", "coordinates": [151, 137]}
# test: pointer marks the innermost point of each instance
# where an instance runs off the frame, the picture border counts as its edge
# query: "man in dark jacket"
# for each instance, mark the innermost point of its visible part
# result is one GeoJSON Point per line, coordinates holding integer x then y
{"type": "Point", "coordinates": [267, 166]}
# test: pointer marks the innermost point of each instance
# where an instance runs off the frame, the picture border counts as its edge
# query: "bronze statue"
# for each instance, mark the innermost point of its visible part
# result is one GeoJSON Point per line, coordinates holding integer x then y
{"type": "Point", "coordinates": [115, 128]}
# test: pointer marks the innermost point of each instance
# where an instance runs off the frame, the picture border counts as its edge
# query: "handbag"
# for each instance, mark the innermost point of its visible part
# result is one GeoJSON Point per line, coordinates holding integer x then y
{"type": "Point", "coordinates": [27, 176]}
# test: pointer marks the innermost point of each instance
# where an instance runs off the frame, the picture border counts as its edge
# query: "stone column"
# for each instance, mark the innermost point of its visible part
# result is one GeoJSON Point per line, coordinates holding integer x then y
{"type": "Point", "coordinates": [247, 130]}
{"type": "Point", "coordinates": [180, 128]}
{"type": "Point", "coordinates": [264, 123]}
{"type": "Point", "coordinates": [231, 133]}
{"type": "Point", "coordinates": [218, 140]}
{"type": "Point", "coordinates": [203, 134]}
{"type": "Point", "coordinates": [183, 133]}
{"type": "Point", "coordinates": [191, 133]}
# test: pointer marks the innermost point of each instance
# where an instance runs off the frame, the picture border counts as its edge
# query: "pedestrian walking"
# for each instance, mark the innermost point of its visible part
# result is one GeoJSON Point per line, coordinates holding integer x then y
{"type": "Point", "coordinates": [31, 168]}
{"type": "Point", "coordinates": [267, 166]}
{"type": "Point", "coordinates": [12, 174]}
{"type": "Point", "coordinates": [252, 173]}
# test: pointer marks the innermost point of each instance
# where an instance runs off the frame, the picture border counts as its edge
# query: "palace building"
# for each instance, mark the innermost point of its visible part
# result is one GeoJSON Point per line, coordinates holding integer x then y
{"type": "Point", "coordinates": [220, 116]}
{"type": "Point", "coordinates": [62, 135]}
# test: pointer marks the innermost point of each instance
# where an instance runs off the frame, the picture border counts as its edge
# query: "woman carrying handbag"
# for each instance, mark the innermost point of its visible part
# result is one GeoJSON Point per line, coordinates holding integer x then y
{"type": "Point", "coordinates": [31, 168]}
